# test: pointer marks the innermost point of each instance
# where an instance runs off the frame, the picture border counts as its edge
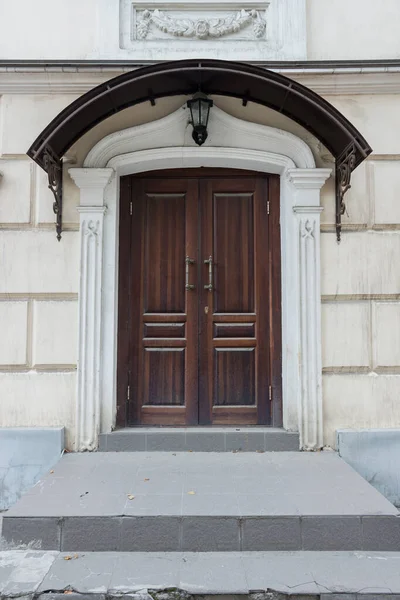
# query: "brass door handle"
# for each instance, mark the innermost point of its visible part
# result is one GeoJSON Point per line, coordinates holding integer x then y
{"type": "Point", "coordinates": [189, 261]}
{"type": "Point", "coordinates": [209, 261]}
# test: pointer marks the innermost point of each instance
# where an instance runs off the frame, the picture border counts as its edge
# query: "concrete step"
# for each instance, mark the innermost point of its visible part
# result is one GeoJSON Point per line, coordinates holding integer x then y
{"type": "Point", "coordinates": [203, 502]}
{"type": "Point", "coordinates": [200, 439]}
{"type": "Point", "coordinates": [214, 575]}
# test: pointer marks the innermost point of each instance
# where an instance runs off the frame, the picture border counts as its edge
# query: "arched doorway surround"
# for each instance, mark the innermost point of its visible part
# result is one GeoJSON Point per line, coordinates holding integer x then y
{"type": "Point", "coordinates": [235, 144]}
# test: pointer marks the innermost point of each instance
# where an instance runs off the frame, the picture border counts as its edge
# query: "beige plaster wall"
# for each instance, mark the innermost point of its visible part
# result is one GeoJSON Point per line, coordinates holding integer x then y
{"type": "Point", "coordinates": [336, 29]}
{"type": "Point", "coordinates": [39, 278]}
{"type": "Point", "coordinates": [360, 280]}
{"type": "Point", "coordinates": [352, 29]}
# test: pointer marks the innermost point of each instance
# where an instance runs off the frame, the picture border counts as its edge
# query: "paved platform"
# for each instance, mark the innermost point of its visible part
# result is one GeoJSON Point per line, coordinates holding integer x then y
{"type": "Point", "coordinates": [172, 576]}
{"type": "Point", "coordinates": [199, 439]}
{"type": "Point", "coordinates": [203, 502]}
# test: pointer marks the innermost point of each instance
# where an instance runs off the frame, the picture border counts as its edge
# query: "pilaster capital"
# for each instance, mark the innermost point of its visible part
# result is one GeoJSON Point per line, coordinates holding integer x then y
{"type": "Point", "coordinates": [91, 179]}
{"type": "Point", "coordinates": [101, 210]}
{"type": "Point", "coordinates": [308, 179]}
{"type": "Point", "coordinates": [308, 210]}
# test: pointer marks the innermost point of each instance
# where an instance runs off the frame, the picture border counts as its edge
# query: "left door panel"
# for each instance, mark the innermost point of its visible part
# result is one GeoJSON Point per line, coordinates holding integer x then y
{"type": "Point", "coordinates": [161, 325]}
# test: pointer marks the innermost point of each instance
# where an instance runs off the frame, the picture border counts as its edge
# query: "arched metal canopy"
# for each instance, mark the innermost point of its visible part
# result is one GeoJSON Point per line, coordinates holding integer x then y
{"type": "Point", "coordinates": [238, 80]}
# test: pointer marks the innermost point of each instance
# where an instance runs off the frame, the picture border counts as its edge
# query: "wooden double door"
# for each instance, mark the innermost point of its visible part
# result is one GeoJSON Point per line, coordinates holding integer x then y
{"type": "Point", "coordinates": [199, 299]}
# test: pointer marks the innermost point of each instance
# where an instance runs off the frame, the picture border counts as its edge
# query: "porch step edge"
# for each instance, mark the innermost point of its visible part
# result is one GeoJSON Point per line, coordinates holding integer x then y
{"type": "Point", "coordinates": [221, 439]}
{"type": "Point", "coordinates": [208, 533]}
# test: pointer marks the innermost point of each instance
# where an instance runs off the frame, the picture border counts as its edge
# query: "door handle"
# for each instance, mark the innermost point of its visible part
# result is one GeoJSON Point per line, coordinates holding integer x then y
{"type": "Point", "coordinates": [209, 261]}
{"type": "Point", "coordinates": [189, 261]}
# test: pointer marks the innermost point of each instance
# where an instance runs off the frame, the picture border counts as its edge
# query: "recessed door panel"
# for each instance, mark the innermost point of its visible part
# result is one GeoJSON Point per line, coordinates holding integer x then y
{"type": "Point", "coordinates": [233, 234]}
{"type": "Point", "coordinates": [165, 245]}
{"type": "Point", "coordinates": [164, 374]}
{"type": "Point", "coordinates": [234, 383]}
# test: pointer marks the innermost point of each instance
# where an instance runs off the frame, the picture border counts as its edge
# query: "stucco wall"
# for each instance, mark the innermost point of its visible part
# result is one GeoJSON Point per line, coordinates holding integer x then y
{"type": "Point", "coordinates": [360, 284]}
{"type": "Point", "coordinates": [39, 278]}
{"type": "Point", "coordinates": [342, 29]}
{"type": "Point", "coordinates": [360, 281]}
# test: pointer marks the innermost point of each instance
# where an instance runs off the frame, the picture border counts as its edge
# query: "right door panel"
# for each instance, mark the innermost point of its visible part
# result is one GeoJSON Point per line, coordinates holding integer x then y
{"type": "Point", "coordinates": [234, 303]}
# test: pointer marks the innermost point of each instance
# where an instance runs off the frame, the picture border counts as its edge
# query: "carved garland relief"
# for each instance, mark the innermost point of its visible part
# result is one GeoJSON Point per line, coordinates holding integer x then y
{"type": "Point", "coordinates": [200, 29]}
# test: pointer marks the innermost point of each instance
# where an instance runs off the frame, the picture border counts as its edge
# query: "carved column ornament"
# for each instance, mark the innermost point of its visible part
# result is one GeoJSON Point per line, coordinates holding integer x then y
{"type": "Point", "coordinates": [92, 183]}
{"type": "Point", "coordinates": [308, 183]}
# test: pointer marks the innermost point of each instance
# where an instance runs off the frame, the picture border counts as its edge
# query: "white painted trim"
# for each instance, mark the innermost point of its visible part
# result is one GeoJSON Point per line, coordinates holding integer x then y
{"type": "Point", "coordinates": [325, 82]}
{"type": "Point", "coordinates": [89, 389]}
{"type": "Point", "coordinates": [175, 130]}
{"type": "Point", "coordinates": [300, 187]}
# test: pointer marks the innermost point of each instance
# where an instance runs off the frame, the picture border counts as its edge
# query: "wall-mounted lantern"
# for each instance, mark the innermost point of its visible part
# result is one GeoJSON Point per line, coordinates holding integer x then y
{"type": "Point", "coordinates": [199, 107]}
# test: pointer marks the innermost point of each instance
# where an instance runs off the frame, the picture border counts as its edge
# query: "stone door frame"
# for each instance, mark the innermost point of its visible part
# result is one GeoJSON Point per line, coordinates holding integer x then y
{"type": "Point", "coordinates": [232, 143]}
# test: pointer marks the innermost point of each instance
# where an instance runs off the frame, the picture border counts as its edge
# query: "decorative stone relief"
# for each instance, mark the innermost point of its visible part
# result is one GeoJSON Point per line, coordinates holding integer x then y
{"type": "Point", "coordinates": [245, 30]}
{"type": "Point", "coordinates": [201, 28]}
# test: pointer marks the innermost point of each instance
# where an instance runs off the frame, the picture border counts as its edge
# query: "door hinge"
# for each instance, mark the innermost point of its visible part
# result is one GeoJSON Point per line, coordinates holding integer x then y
{"type": "Point", "coordinates": [268, 207]}
{"type": "Point", "coordinates": [130, 208]}
{"type": "Point", "coordinates": [270, 393]}
{"type": "Point", "coordinates": [128, 393]}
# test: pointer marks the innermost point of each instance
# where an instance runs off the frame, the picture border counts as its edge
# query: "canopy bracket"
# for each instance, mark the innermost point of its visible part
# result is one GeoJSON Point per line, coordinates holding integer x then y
{"type": "Point", "coordinates": [54, 174]}
{"type": "Point", "coordinates": [345, 164]}
{"type": "Point", "coordinates": [250, 83]}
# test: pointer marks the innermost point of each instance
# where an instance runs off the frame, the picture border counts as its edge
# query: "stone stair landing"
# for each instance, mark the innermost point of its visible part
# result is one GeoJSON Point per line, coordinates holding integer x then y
{"type": "Point", "coordinates": [203, 502]}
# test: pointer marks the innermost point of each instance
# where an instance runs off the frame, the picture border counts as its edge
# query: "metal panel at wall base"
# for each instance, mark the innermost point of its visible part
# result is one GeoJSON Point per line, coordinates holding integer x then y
{"type": "Point", "coordinates": [374, 454]}
{"type": "Point", "coordinates": [26, 454]}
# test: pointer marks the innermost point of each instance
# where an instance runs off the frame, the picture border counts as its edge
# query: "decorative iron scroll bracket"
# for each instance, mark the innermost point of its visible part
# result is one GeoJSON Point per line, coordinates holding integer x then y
{"type": "Point", "coordinates": [345, 164]}
{"type": "Point", "coordinates": [54, 173]}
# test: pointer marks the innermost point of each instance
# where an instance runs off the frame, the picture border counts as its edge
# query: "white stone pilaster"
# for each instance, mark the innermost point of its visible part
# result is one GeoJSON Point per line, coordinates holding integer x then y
{"type": "Point", "coordinates": [92, 183]}
{"type": "Point", "coordinates": [308, 183]}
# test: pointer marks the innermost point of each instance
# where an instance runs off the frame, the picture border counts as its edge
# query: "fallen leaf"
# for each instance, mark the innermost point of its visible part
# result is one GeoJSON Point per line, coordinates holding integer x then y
{"type": "Point", "coordinates": [67, 557]}
{"type": "Point", "coordinates": [52, 471]}
{"type": "Point", "coordinates": [147, 479]}
{"type": "Point", "coordinates": [191, 493]}
{"type": "Point", "coordinates": [130, 497]}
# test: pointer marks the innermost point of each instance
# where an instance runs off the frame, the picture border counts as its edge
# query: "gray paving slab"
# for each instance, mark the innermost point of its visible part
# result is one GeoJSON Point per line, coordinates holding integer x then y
{"type": "Point", "coordinates": [34, 532]}
{"type": "Point", "coordinates": [140, 571]}
{"type": "Point", "coordinates": [381, 532]}
{"type": "Point", "coordinates": [333, 575]}
{"type": "Point", "coordinates": [282, 533]}
{"type": "Point", "coordinates": [94, 534]}
{"type": "Point", "coordinates": [332, 533]}
{"type": "Point", "coordinates": [315, 484]}
{"type": "Point", "coordinates": [91, 573]}
{"type": "Point", "coordinates": [151, 534]}
{"type": "Point", "coordinates": [210, 534]}
{"type": "Point", "coordinates": [203, 488]}
{"type": "Point", "coordinates": [21, 572]}
{"type": "Point", "coordinates": [213, 572]}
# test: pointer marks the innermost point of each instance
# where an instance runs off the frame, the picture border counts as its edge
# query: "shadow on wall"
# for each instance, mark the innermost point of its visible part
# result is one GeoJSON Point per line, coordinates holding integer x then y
{"type": "Point", "coordinates": [374, 454]}
{"type": "Point", "coordinates": [25, 455]}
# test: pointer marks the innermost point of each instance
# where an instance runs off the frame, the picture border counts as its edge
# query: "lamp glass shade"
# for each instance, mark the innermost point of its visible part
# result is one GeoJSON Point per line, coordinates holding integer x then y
{"type": "Point", "coordinates": [199, 107]}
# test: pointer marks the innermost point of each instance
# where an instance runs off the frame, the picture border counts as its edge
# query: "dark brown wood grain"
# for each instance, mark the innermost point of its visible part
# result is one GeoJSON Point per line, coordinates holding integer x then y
{"type": "Point", "coordinates": [275, 300]}
{"type": "Point", "coordinates": [195, 356]}
{"type": "Point", "coordinates": [235, 371]}
{"type": "Point", "coordinates": [124, 364]}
